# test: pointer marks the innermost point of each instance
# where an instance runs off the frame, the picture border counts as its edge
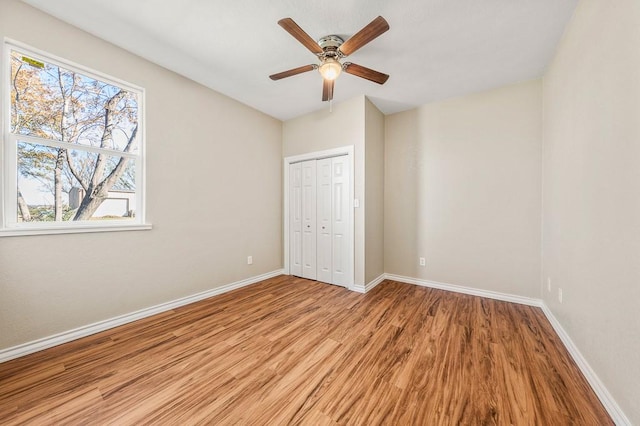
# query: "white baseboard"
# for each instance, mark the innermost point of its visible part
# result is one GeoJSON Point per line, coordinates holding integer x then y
{"type": "Point", "coordinates": [375, 282]}
{"type": "Point", "coordinates": [369, 286]}
{"type": "Point", "coordinates": [359, 288]}
{"type": "Point", "coordinates": [612, 407]}
{"type": "Point", "coordinates": [467, 290]}
{"type": "Point", "coordinates": [87, 330]}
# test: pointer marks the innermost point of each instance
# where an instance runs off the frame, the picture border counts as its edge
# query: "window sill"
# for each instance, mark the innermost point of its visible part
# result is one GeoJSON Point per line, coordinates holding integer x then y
{"type": "Point", "coordinates": [17, 232]}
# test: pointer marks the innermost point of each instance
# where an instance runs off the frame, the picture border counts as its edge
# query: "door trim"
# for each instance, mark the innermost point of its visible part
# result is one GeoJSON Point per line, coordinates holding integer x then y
{"type": "Point", "coordinates": [318, 155]}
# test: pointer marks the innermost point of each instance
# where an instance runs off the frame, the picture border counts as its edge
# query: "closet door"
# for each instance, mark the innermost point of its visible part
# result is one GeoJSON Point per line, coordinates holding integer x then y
{"type": "Point", "coordinates": [295, 219]}
{"type": "Point", "coordinates": [324, 254]}
{"type": "Point", "coordinates": [319, 220]}
{"type": "Point", "coordinates": [341, 259]}
{"type": "Point", "coordinates": [309, 264]}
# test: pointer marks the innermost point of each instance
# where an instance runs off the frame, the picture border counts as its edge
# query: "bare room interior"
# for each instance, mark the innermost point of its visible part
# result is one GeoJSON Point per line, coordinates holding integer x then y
{"type": "Point", "coordinates": [339, 212]}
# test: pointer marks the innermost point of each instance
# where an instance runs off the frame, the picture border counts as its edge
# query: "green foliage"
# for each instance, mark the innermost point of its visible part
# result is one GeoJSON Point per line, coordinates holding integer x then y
{"type": "Point", "coordinates": [47, 214]}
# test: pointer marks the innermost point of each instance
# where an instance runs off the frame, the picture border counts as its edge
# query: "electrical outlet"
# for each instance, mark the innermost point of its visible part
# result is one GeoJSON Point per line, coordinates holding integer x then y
{"type": "Point", "coordinates": [249, 260]}
{"type": "Point", "coordinates": [560, 295]}
{"type": "Point", "coordinates": [549, 284]}
{"type": "Point", "coordinates": [423, 261]}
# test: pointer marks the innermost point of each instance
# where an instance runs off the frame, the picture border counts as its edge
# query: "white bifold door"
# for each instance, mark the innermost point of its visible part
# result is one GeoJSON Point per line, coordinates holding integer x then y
{"type": "Point", "coordinates": [319, 220]}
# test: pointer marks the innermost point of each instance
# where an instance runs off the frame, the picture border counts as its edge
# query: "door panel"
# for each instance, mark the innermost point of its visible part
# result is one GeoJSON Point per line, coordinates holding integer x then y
{"type": "Point", "coordinates": [295, 219]}
{"type": "Point", "coordinates": [324, 253]}
{"type": "Point", "coordinates": [341, 259]}
{"type": "Point", "coordinates": [309, 219]}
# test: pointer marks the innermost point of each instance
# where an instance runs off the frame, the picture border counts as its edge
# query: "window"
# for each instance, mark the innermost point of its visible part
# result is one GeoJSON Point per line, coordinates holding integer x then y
{"type": "Point", "coordinates": [73, 147]}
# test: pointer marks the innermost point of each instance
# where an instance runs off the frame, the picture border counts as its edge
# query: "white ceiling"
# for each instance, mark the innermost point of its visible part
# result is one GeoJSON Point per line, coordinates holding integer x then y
{"type": "Point", "coordinates": [435, 49]}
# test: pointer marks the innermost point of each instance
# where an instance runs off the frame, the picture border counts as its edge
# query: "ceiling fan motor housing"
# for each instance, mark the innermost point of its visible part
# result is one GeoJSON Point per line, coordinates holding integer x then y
{"type": "Point", "coordinates": [330, 45]}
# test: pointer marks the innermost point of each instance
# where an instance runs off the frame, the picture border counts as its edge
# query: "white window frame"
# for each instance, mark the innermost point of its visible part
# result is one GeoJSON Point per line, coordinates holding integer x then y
{"type": "Point", "coordinates": [9, 225]}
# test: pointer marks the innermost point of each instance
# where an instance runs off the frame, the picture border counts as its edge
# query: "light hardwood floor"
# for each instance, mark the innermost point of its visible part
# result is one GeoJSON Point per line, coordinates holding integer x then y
{"type": "Point", "coordinates": [292, 351]}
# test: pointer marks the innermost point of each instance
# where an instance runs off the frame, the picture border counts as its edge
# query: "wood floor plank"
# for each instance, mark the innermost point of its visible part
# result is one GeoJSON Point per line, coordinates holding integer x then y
{"type": "Point", "coordinates": [294, 351]}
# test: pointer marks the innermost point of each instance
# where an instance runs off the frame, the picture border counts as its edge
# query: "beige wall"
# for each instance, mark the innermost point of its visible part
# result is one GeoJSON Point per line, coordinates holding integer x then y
{"type": "Point", "coordinates": [462, 189]}
{"type": "Point", "coordinates": [374, 192]}
{"type": "Point", "coordinates": [209, 175]}
{"type": "Point", "coordinates": [591, 239]}
{"type": "Point", "coordinates": [323, 130]}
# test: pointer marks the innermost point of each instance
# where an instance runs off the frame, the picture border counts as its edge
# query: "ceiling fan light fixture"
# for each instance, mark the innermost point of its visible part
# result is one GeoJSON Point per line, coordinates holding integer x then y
{"type": "Point", "coordinates": [330, 69]}
{"type": "Point", "coordinates": [330, 49]}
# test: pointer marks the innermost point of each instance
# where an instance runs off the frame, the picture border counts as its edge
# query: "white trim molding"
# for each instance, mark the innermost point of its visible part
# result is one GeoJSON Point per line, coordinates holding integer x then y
{"type": "Point", "coordinates": [368, 287]}
{"type": "Point", "coordinates": [358, 288]}
{"type": "Point", "coordinates": [467, 290]}
{"type": "Point", "coordinates": [87, 330]}
{"type": "Point", "coordinates": [17, 232]}
{"type": "Point", "coordinates": [610, 404]}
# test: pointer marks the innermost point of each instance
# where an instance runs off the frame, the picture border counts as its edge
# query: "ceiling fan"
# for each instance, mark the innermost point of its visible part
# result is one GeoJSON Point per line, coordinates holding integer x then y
{"type": "Point", "coordinates": [330, 50]}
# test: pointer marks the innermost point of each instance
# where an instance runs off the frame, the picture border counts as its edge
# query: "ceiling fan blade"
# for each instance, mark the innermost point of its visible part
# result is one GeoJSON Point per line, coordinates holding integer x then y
{"type": "Point", "coordinates": [327, 90]}
{"type": "Point", "coordinates": [364, 72]}
{"type": "Point", "coordinates": [291, 72]}
{"type": "Point", "coordinates": [364, 36]}
{"type": "Point", "coordinates": [298, 33]}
